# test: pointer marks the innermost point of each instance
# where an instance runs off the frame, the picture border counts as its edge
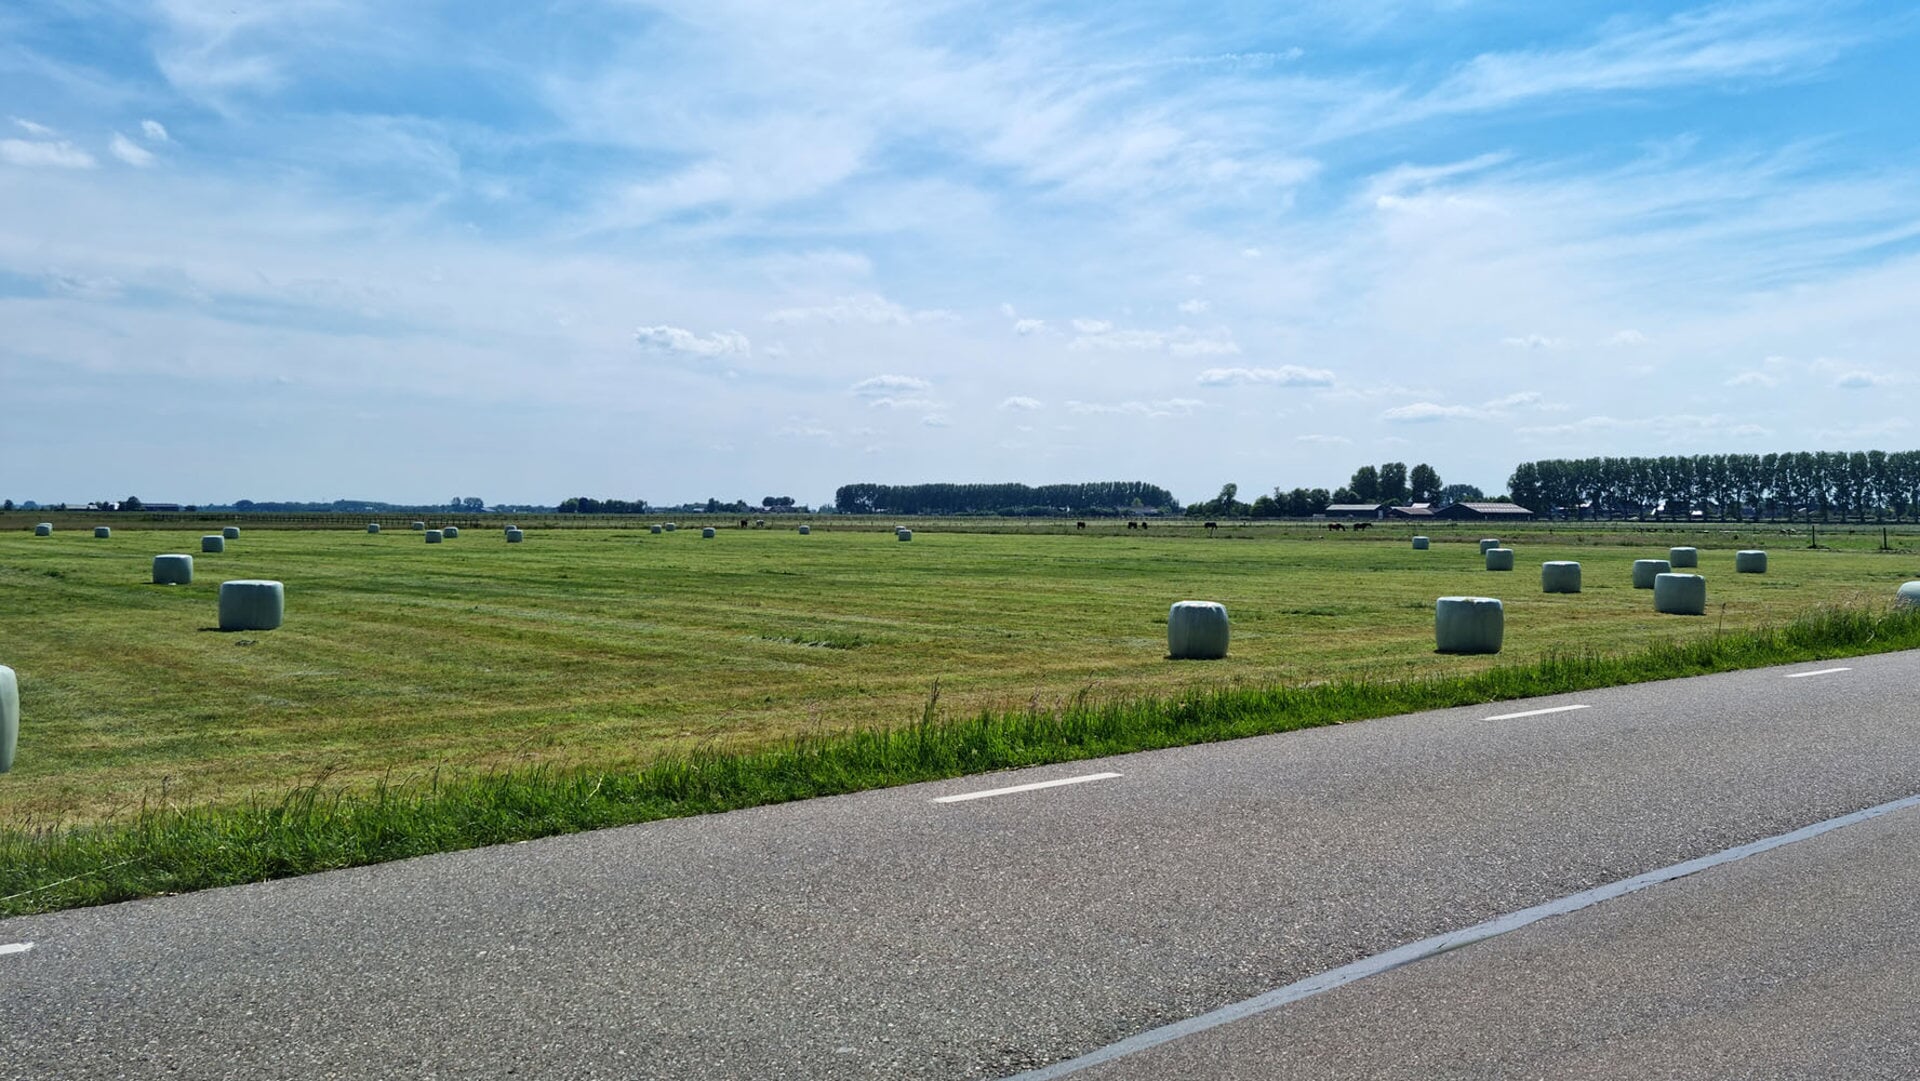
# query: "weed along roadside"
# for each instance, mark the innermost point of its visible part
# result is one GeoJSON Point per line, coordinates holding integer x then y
{"type": "Point", "coordinates": [317, 827]}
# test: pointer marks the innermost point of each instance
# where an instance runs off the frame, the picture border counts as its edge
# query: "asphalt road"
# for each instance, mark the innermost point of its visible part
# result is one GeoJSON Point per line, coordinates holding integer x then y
{"type": "Point", "coordinates": [887, 935]}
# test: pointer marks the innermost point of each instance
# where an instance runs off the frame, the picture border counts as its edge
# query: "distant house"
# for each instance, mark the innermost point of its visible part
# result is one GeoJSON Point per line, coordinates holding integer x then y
{"type": "Point", "coordinates": [1509, 512]}
{"type": "Point", "coordinates": [1418, 510]}
{"type": "Point", "coordinates": [1357, 510]}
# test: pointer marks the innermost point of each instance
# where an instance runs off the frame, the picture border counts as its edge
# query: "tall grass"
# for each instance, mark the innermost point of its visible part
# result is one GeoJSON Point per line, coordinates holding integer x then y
{"type": "Point", "coordinates": [320, 826]}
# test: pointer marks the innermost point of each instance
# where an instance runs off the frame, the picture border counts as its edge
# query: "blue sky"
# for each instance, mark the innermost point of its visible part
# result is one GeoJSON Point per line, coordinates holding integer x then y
{"type": "Point", "coordinates": [316, 249]}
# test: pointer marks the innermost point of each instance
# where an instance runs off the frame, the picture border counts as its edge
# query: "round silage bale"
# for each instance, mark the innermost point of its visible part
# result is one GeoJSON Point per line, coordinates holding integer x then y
{"type": "Point", "coordinates": [1420, 544]}
{"type": "Point", "coordinates": [450, 532]}
{"type": "Point", "coordinates": [1750, 561]}
{"type": "Point", "coordinates": [232, 532]}
{"type": "Point", "coordinates": [419, 526]}
{"type": "Point", "coordinates": [903, 534]}
{"type": "Point", "coordinates": [173, 570]}
{"type": "Point", "coordinates": [1488, 542]}
{"type": "Point", "coordinates": [653, 529]}
{"type": "Point", "coordinates": [1684, 557]}
{"type": "Point", "coordinates": [252, 604]}
{"type": "Point", "coordinates": [515, 536]}
{"type": "Point", "coordinates": [433, 536]}
{"type": "Point", "coordinates": [707, 533]}
{"type": "Point", "coordinates": [805, 529]}
{"type": "Point", "coordinates": [670, 527]}
{"type": "Point", "coordinates": [1907, 596]}
{"type": "Point", "coordinates": [44, 529]}
{"type": "Point", "coordinates": [213, 542]}
{"type": "Point", "coordinates": [1499, 559]}
{"type": "Point", "coordinates": [1680, 594]}
{"type": "Point", "coordinates": [1468, 625]}
{"type": "Point", "coordinates": [1197, 631]}
{"type": "Point", "coordinates": [1646, 570]}
{"type": "Point", "coordinates": [9, 716]}
{"type": "Point", "coordinates": [1560, 576]}
{"type": "Point", "coordinates": [373, 527]}
{"type": "Point", "coordinates": [102, 532]}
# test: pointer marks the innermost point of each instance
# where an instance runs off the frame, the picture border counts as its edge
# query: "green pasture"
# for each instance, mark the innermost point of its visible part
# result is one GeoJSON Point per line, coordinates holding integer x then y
{"type": "Point", "coordinates": [613, 647]}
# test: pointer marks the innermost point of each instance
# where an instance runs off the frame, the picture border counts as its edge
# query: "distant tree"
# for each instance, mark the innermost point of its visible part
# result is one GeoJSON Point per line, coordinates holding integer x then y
{"type": "Point", "coordinates": [8, 505]}
{"type": "Point", "coordinates": [1267, 506]}
{"type": "Point", "coordinates": [1424, 483]}
{"type": "Point", "coordinates": [1462, 493]}
{"type": "Point", "coordinates": [243, 504]}
{"type": "Point", "coordinates": [132, 502]}
{"type": "Point", "coordinates": [1393, 482]}
{"type": "Point", "coordinates": [1365, 485]}
{"type": "Point", "coordinates": [29, 505]}
{"type": "Point", "coordinates": [473, 503]}
{"type": "Point", "coordinates": [190, 508]}
{"type": "Point", "coordinates": [1346, 495]}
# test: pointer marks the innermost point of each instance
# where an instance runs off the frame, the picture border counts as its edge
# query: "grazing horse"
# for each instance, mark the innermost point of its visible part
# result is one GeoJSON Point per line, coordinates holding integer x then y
{"type": "Point", "coordinates": [1358, 526]}
{"type": "Point", "coordinates": [1211, 526]}
{"type": "Point", "coordinates": [1131, 524]}
{"type": "Point", "coordinates": [1079, 525]}
{"type": "Point", "coordinates": [1336, 527]}
{"type": "Point", "coordinates": [743, 523]}
{"type": "Point", "coordinates": [1143, 526]}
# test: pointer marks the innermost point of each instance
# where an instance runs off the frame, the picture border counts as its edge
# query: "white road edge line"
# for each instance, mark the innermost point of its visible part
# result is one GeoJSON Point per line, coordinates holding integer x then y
{"type": "Point", "coordinates": [1535, 713]}
{"type": "Point", "coordinates": [1821, 672]}
{"type": "Point", "coordinates": [965, 796]}
{"type": "Point", "coordinates": [1439, 944]}
{"type": "Point", "coordinates": [15, 947]}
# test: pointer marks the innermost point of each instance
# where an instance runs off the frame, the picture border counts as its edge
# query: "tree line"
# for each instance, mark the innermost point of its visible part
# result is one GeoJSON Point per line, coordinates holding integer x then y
{"type": "Point", "coordinates": [1793, 485]}
{"type": "Point", "coordinates": [1095, 499]}
{"type": "Point", "coordinates": [1390, 482]}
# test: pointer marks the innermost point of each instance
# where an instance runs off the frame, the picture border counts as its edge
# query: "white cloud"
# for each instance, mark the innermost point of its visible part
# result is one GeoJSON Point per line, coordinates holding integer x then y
{"type": "Point", "coordinates": [1021, 402]}
{"type": "Point", "coordinates": [1754, 379]}
{"type": "Point", "coordinates": [881, 386]}
{"type": "Point", "coordinates": [1860, 380]}
{"type": "Point", "coordinates": [1194, 307]}
{"type": "Point", "coordinates": [870, 308]}
{"type": "Point", "coordinates": [909, 402]}
{"type": "Point", "coordinates": [1672, 426]}
{"type": "Point", "coordinates": [1331, 440]}
{"type": "Point", "coordinates": [1170, 407]}
{"type": "Point", "coordinates": [1092, 326]}
{"type": "Point", "coordinates": [1180, 341]}
{"type": "Point", "coordinates": [666, 339]}
{"type": "Point", "coordinates": [31, 128]}
{"type": "Point", "coordinates": [1024, 327]}
{"type": "Point", "coordinates": [1525, 397]}
{"type": "Point", "coordinates": [1287, 375]}
{"type": "Point", "coordinates": [1418, 412]}
{"type": "Point", "coordinates": [1250, 253]}
{"type": "Point", "coordinates": [56, 155]}
{"type": "Point", "coordinates": [936, 420]}
{"type": "Point", "coordinates": [1534, 341]}
{"type": "Point", "coordinates": [131, 152]}
{"type": "Point", "coordinates": [1628, 338]}
{"type": "Point", "coordinates": [154, 131]}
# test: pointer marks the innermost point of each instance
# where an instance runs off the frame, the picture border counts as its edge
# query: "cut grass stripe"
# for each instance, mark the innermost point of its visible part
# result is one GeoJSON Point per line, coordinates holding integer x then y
{"type": "Point", "coordinates": [161, 850]}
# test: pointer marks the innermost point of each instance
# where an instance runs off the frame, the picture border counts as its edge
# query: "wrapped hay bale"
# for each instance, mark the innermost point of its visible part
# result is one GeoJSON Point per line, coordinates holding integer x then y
{"type": "Point", "coordinates": [173, 570]}
{"type": "Point", "coordinates": [232, 532]}
{"type": "Point", "coordinates": [1421, 544]}
{"type": "Point", "coordinates": [805, 530]}
{"type": "Point", "coordinates": [1468, 625]}
{"type": "Point", "coordinates": [450, 532]}
{"type": "Point", "coordinates": [653, 529]}
{"type": "Point", "coordinates": [903, 534]}
{"type": "Point", "coordinates": [1560, 576]}
{"type": "Point", "coordinates": [1680, 594]}
{"type": "Point", "coordinates": [44, 529]}
{"type": "Point", "coordinates": [9, 716]}
{"type": "Point", "coordinates": [1750, 561]}
{"type": "Point", "coordinates": [1488, 542]}
{"type": "Point", "coordinates": [708, 533]}
{"type": "Point", "coordinates": [252, 604]}
{"type": "Point", "coordinates": [102, 532]}
{"type": "Point", "coordinates": [1499, 559]}
{"type": "Point", "coordinates": [373, 527]}
{"type": "Point", "coordinates": [433, 536]}
{"type": "Point", "coordinates": [515, 536]}
{"type": "Point", "coordinates": [1646, 570]}
{"type": "Point", "coordinates": [1907, 596]}
{"type": "Point", "coordinates": [1684, 557]}
{"type": "Point", "coordinates": [670, 527]}
{"type": "Point", "coordinates": [1197, 631]}
{"type": "Point", "coordinates": [419, 526]}
{"type": "Point", "coordinates": [213, 542]}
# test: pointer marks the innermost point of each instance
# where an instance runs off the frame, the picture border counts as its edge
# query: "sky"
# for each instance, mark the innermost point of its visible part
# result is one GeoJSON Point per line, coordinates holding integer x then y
{"type": "Point", "coordinates": [319, 249]}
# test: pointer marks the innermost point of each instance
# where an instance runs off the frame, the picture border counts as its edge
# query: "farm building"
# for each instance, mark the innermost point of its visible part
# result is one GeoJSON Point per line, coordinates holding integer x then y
{"type": "Point", "coordinates": [1495, 512]}
{"type": "Point", "coordinates": [1357, 510]}
{"type": "Point", "coordinates": [1418, 510]}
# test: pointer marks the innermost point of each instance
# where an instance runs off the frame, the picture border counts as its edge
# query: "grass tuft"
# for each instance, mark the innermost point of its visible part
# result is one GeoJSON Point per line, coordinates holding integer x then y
{"type": "Point", "coordinates": [164, 849]}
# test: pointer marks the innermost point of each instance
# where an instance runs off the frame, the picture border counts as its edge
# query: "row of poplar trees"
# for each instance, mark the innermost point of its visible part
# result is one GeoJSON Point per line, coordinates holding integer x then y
{"type": "Point", "coordinates": [1800, 485]}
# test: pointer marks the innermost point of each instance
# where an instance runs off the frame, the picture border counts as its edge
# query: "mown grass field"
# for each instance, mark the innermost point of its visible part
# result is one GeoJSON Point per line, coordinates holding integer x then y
{"type": "Point", "coordinates": [612, 647]}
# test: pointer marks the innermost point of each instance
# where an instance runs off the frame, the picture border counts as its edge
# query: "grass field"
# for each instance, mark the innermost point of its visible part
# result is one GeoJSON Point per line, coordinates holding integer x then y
{"type": "Point", "coordinates": [612, 647]}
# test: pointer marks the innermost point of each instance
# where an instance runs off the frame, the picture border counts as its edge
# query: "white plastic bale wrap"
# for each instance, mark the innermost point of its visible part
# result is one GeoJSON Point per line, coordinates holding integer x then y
{"type": "Point", "coordinates": [515, 536]}
{"type": "Point", "coordinates": [1750, 561]}
{"type": "Point", "coordinates": [450, 532]}
{"type": "Point", "coordinates": [670, 527]}
{"type": "Point", "coordinates": [232, 532]}
{"type": "Point", "coordinates": [419, 526]}
{"type": "Point", "coordinates": [904, 534]}
{"type": "Point", "coordinates": [1421, 544]}
{"type": "Point", "coordinates": [805, 529]}
{"type": "Point", "coordinates": [213, 542]}
{"type": "Point", "coordinates": [173, 570]}
{"type": "Point", "coordinates": [1646, 570]}
{"type": "Point", "coordinates": [1560, 576]}
{"type": "Point", "coordinates": [9, 716]}
{"type": "Point", "coordinates": [1907, 596]}
{"type": "Point", "coordinates": [653, 529]}
{"type": "Point", "coordinates": [1499, 559]}
{"type": "Point", "coordinates": [1197, 631]}
{"type": "Point", "coordinates": [373, 527]}
{"type": "Point", "coordinates": [708, 533]}
{"type": "Point", "coordinates": [1680, 594]}
{"type": "Point", "coordinates": [433, 536]}
{"type": "Point", "coordinates": [1684, 557]}
{"type": "Point", "coordinates": [44, 529]}
{"type": "Point", "coordinates": [1488, 542]}
{"type": "Point", "coordinates": [102, 531]}
{"type": "Point", "coordinates": [1468, 625]}
{"type": "Point", "coordinates": [252, 604]}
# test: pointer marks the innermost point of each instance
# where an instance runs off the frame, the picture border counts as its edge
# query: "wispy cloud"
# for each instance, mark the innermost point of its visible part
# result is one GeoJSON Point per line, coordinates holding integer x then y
{"type": "Point", "coordinates": [1286, 375]}
{"type": "Point", "coordinates": [1022, 403]}
{"type": "Point", "coordinates": [881, 386]}
{"type": "Point", "coordinates": [130, 152]}
{"type": "Point", "coordinates": [668, 339]}
{"type": "Point", "coordinates": [868, 308]}
{"type": "Point", "coordinates": [38, 153]}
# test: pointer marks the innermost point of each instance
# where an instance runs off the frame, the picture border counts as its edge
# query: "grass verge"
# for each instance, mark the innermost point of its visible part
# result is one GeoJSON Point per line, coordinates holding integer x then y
{"type": "Point", "coordinates": [317, 827]}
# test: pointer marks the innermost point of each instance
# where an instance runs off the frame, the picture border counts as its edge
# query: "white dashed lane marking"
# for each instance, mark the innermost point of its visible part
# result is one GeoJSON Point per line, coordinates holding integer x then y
{"type": "Point", "coordinates": [1821, 672]}
{"type": "Point", "coordinates": [15, 947]}
{"type": "Point", "coordinates": [965, 796]}
{"type": "Point", "coordinates": [1534, 712]}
